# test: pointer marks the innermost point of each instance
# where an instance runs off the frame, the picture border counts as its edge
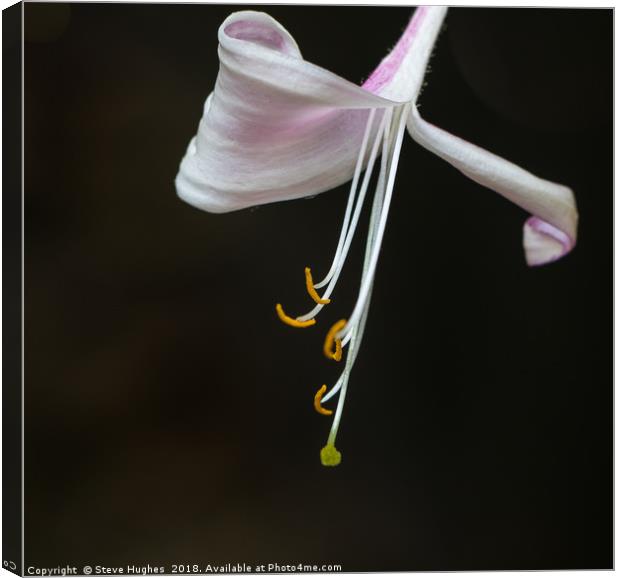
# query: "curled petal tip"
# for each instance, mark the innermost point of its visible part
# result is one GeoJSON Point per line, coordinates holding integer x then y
{"type": "Point", "coordinates": [544, 243]}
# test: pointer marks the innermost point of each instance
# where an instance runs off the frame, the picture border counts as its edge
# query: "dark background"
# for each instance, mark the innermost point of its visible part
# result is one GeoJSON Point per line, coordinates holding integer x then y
{"type": "Point", "coordinates": [169, 413]}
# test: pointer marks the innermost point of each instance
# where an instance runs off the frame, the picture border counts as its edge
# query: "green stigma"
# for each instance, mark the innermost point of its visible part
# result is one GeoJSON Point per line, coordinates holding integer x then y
{"type": "Point", "coordinates": [330, 456]}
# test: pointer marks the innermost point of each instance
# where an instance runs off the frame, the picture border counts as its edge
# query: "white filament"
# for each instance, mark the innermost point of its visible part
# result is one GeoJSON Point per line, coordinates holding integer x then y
{"type": "Point", "coordinates": [356, 215]}
{"type": "Point", "coordinates": [372, 233]}
{"type": "Point", "coordinates": [364, 294]}
{"type": "Point", "coordinates": [352, 191]}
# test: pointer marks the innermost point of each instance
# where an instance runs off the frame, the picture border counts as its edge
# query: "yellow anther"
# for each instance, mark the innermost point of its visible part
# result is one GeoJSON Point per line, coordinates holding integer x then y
{"type": "Point", "coordinates": [312, 291]}
{"type": "Point", "coordinates": [330, 456]}
{"type": "Point", "coordinates": [290, 321]}
{"type": "Point", "coordinates": [318, 396]}
{"type": "Point", "coordinates": [331, 341]}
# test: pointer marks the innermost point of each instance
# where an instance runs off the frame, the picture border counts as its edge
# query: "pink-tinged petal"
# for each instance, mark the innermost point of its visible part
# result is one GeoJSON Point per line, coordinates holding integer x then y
{"type": "Point", "coordinates": [277, 127]}
{"type": "Point", "coordinates": [552, 231]}
{"type": "Point", "coordinates": [401, 72]}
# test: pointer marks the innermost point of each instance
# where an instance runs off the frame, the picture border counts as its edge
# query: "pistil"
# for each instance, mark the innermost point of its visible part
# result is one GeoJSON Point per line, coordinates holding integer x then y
{"type": "Point", "coordinates": [354, 328]}
{"type": "Point", "coordinates": [390, 132]}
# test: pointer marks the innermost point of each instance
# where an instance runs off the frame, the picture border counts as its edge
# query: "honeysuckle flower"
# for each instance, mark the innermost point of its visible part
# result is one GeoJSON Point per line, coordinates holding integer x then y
{"type": "Point", "coordinates": [277, 127]}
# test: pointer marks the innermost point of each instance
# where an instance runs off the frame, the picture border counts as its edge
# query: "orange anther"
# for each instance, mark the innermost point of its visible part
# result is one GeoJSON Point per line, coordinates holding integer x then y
{"type": "Point", "coordinates": [331, 341]}
{"type": "Point", "coordinates": [290, 321]}
{"type": "Point", "coordinates": [317, 401]}
{"type": "Point", "coordinates": [312, 291]}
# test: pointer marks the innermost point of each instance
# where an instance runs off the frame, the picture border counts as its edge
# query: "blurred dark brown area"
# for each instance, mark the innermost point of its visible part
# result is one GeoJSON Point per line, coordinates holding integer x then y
{"type": "Point", "coordinates": [169, 414]}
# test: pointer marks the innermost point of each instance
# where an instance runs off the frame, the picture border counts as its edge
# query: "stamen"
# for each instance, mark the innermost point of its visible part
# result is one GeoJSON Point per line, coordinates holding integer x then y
{"type": "Point", "coordinates": [330, 456]}
{"type": "Point", "coordinates": [317, 401]}
{"type": "Point", "coordinates": [330, 341]}
{"type": "Point", "coordinates": [290, 321]}
{"type": "Point", "coordinates": [312, 291]}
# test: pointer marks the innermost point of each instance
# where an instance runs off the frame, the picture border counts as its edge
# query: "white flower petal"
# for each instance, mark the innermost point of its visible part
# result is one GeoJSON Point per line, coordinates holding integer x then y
{"type": "Point", "coordinates": [401, 73]}
{"type": "Point", "coordinates": [277, 127]}
{"type": "Point", "coordinates": [552, 232]}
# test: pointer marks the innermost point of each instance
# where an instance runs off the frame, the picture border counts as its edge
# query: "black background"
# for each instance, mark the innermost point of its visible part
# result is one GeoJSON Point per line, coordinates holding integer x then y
{"type": "Point", "coordinates": [169, 413]}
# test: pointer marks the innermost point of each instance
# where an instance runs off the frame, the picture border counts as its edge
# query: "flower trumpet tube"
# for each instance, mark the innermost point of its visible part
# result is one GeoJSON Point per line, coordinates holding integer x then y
{"type": "Point", "coordinates": [277, 127]}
